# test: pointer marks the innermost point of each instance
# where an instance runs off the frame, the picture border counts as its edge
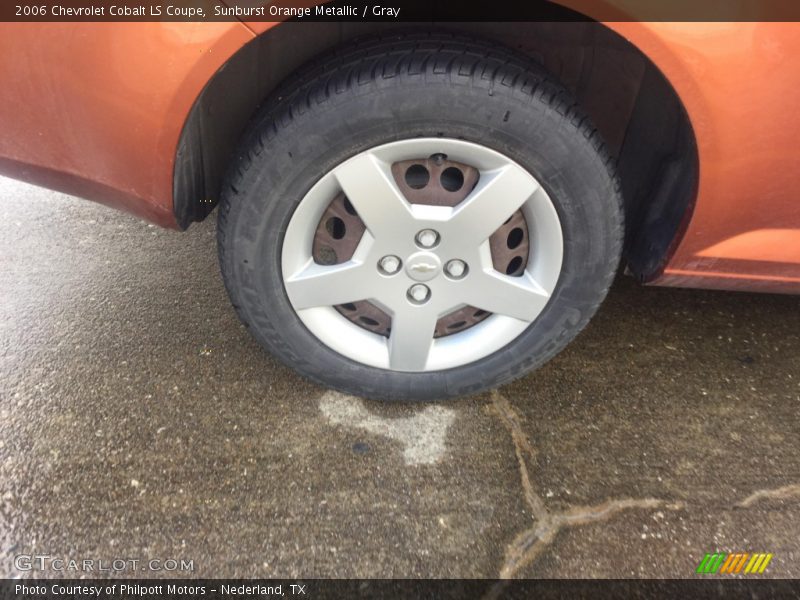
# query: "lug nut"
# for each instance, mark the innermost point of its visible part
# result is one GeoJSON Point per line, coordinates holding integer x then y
{"type": "Point", "coordinates": [389, 265]}
{"type": "Point", "coordinates": [427, 238]}
{"type": "Point", "coordinates": [419, 293]}
{"type": "Point", "coordinates": [456, 268]}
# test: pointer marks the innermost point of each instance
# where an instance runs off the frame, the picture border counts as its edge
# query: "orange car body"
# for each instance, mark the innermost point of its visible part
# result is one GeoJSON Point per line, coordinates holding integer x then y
{"type": "Point", "coordinates": [103, 120]}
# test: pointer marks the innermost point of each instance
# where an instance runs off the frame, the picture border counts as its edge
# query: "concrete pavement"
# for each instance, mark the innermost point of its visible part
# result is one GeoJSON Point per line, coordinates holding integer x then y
{"type": "Point", "coordinates": [138, 419]}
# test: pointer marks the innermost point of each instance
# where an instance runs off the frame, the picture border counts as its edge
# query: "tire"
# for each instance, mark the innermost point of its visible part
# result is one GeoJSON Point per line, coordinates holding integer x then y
{"type": "Point", "coordinates": [378, 92]}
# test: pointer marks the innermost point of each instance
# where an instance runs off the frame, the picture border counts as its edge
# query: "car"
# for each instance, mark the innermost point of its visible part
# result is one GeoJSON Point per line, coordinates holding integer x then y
{"type": "Point", "coordinates": [421, 211]}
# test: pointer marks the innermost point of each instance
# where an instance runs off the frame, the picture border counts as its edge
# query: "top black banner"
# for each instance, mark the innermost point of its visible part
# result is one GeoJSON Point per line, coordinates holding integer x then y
{"type": "Point", "coordinates": [399, 10]}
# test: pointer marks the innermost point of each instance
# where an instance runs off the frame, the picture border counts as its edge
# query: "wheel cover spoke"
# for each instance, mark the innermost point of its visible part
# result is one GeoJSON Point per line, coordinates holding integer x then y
{"type": "Point", "coordinates": [319, 285]}
{"type": "Point", "coordinates": [518, 297]}
{"type": "Point", "coordinates": [368, 183]}
{"type": "Point", "coordinates": [496, 198]}
{"type": "Point", "coordinates": [411, 339]}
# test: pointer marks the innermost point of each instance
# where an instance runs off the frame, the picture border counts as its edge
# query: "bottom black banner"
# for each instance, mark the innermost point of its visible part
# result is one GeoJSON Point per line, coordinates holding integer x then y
{"type": "Point", "coordinates": [108, 589]}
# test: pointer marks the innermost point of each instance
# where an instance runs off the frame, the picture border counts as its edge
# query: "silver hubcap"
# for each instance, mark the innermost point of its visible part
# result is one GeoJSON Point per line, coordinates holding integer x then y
{"type": "Point", "coordinates": [418, 263]}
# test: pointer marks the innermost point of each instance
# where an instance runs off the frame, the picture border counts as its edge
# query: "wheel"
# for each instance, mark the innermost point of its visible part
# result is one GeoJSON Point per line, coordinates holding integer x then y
{"type": "Point", "coordinates": [419, 217]}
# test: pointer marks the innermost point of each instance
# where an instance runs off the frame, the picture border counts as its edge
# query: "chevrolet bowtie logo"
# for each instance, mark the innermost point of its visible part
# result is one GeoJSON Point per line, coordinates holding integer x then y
{"type": "Point", "coordinates": [423, 267]}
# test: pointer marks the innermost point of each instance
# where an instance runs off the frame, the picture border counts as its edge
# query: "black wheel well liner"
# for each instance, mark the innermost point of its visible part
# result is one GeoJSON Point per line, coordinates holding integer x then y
{"type": "Point", "coordinates": [631, 103]}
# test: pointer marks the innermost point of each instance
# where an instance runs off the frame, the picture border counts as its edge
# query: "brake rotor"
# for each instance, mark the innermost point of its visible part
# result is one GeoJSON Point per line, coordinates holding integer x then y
{"type": "Point", "coordinates": [435, 181]}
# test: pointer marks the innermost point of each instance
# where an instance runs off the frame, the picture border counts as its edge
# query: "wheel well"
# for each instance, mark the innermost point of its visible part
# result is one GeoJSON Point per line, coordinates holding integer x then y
{"type": "Point", "coordinates": [630, 102]}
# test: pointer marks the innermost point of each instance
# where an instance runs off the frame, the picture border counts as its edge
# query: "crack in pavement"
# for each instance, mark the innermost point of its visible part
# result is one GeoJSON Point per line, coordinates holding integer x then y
{"type": "Point", "coordinates": [780, 493]}
{"type": "Point", "coordinates": [529, 544]}
{"type": "Point", "coordinates": [424, 435]}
